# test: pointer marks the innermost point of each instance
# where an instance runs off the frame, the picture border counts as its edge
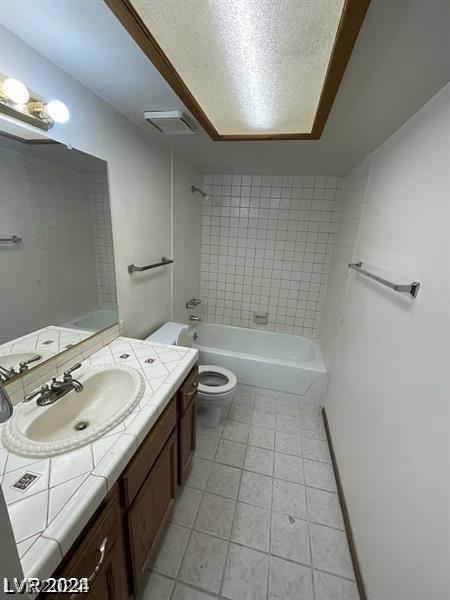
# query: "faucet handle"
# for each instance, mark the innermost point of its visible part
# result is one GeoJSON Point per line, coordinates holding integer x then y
{"type": "Point", "coordinates": [39, 392]}
{"type": "Point", "coordinates": [23, 366]}
{"type": "Point", "coordinates": [196, 301]}
{"type": "Point", "coordinates": [69, 371]}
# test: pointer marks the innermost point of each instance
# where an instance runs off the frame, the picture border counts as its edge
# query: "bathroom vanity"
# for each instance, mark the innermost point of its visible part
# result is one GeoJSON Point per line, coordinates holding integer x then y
{"type": "Point", "coordinates": [117, 546]}
{"type": "Point", "coordinates": [99, 509]}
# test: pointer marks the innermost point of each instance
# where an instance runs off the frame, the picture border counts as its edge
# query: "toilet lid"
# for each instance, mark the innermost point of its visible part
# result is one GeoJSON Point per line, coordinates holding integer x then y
{"type": "Point", "coordinates": [215, 380]}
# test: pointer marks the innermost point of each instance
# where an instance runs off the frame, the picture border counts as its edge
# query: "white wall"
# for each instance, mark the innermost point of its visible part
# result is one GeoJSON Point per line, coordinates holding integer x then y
{"type": "Point", "coordinates": [388, 396]}
{"type": "Point", "coordinates": [266, 247]}
{"type": "Point", "coordinates": [186, 235]}
{"type": "Point", "coordinates": [353, 194]}
{"type": "Point", "coordinates": [139, 180]}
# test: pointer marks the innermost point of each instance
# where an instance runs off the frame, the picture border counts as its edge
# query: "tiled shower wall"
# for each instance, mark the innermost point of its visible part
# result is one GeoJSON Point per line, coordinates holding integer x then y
{"type": "Point", "coordinates": [267, 243]}
{"type": "Point", "coordinates": [103, 240]}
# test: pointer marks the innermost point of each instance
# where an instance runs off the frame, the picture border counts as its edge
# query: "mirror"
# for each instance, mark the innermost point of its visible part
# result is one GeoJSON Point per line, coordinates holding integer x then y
{"type": "Point", "coordinates": [57, 278]}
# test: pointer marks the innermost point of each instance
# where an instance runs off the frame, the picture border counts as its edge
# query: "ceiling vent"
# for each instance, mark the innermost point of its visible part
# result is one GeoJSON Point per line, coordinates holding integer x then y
{"type": "Point", "coordinates": [171, 122]}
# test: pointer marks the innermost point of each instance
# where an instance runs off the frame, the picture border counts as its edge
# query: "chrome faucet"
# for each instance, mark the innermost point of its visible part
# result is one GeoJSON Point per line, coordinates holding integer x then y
{"type": "Point", "coordinates": [194, 318]}
{"type": "Point", "coordinates": [48, 394]}
{"type": "Point", "coordinates": [6, 374]}
{"type": "Point", "coordinates": [192, 303]}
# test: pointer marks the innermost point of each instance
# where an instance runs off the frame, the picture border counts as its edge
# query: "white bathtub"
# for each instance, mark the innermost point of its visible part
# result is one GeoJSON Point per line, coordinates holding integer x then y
{"type": "Point", "coordinates": [94, 321]}
{"type": "Point", "coordinates": [277, 361]}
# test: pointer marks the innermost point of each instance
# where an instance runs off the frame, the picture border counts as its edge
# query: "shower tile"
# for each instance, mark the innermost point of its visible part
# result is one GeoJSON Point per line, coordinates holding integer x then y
{"type": "Point", "coordinates": [230, 453]}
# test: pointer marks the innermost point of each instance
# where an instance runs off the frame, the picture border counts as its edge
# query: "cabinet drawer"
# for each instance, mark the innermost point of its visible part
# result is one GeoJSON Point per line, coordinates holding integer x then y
{"type": "Point", "coordinates": [143, 461]}
{"type": "Point", "coordinates": [188, 389]}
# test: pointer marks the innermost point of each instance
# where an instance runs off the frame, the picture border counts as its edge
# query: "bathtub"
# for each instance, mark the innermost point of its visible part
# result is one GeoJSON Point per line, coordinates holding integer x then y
{"type": "Point", "coordinates": [94, 321]}
{"type": "Point", "coordinates": [276, 361]}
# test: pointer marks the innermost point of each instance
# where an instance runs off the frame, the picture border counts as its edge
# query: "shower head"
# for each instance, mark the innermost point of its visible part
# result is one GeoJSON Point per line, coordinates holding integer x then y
{"type": "Point", "coordinates": [196, 189]}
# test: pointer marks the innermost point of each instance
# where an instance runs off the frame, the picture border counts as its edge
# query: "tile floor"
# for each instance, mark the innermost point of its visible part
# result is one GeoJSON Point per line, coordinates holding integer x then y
{"type": "Point", "coordinates": [259, 517]}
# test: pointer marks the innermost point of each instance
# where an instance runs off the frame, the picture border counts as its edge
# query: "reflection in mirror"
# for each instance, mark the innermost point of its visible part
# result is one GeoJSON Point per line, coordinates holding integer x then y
{"type": "Point", "coordinates": [57, 280]}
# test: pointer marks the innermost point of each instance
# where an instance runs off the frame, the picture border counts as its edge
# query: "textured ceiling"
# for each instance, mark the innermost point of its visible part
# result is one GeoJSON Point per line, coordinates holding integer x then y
{"type": "Point", "coordinates": [400, 61]}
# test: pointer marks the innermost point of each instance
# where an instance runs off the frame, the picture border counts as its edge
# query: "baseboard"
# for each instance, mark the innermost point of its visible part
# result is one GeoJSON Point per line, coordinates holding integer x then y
{"type": "Point", "coordinates": [345, 513]}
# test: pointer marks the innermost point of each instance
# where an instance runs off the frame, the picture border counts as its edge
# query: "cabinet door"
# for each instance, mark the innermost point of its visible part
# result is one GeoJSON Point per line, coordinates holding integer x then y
{"type": "Point", "coordinates": [187, 439]}
{"type": "Point", "coordinates": [110, 582]}
{"type": "Point", "coordinates": [101, 558]}
{"type": "Point", "coordinates": [150, 511]}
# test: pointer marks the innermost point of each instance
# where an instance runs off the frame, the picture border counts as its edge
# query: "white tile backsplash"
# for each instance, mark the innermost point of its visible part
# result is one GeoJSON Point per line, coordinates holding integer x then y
{"type": "Point", "coordinates": [267, 243]}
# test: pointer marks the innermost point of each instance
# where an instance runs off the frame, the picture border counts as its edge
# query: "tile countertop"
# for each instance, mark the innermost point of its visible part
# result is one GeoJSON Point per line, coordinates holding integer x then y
{"type": "Point", "coordinates": [48, 517]}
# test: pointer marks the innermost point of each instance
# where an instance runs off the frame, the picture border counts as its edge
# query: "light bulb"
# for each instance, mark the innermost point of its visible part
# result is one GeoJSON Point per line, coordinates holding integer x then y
{"type": "Point", "coordinates": [15, 91]}
{"type": "Point", "coordinates": [57, 111]}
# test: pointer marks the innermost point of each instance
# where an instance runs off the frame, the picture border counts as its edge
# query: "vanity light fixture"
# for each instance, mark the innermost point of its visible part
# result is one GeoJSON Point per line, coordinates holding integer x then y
{"type": "Point", "coordinates": [17, 102]}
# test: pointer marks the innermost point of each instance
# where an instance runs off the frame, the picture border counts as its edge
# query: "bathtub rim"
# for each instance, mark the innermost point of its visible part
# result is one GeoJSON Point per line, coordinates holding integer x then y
{"type": "Point", "coordinates": [317, 365]}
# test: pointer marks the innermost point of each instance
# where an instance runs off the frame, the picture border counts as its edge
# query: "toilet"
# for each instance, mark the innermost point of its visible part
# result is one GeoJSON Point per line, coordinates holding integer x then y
{"type": "Point", "coordinates": [216, 389]}
{"type": "Point", "coordinates": [217, 385]}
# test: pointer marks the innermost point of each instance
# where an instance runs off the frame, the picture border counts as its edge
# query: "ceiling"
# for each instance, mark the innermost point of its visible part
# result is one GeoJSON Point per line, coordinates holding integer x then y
{"type": "Point", "coordinates": [400, 61]}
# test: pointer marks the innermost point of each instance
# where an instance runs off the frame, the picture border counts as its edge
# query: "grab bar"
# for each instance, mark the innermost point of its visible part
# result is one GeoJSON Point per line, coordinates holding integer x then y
{"type": "Point", "coordinates": [409, 288]}
{"type": "Point", "coordinates": [14, 239]}
{"type": "Point", "coordinates": [164, 261]}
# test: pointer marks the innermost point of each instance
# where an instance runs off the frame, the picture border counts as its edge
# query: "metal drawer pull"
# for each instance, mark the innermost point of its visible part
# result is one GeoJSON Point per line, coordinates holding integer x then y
{"type": "Point", "coordinates": [93, 575]}
{"type": "Point", "coordinates": [192, 391]}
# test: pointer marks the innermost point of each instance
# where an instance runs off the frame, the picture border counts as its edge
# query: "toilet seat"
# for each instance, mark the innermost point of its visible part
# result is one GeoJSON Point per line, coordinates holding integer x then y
{"type": "Point", "coordinates": [216, 390]}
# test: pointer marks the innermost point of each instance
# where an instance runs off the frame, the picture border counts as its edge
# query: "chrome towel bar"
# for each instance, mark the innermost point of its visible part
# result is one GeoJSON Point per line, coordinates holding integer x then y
{"type": "Point", "coordinates": [164, 261]}
{"type": "Point", "coordinates": [409, 288]}
{"type": "Point", "coordinates": [14, 239]}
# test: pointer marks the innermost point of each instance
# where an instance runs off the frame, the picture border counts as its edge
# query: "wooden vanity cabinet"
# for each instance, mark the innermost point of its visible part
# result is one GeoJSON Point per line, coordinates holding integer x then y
{"type": "Point", "coordinates": [118, 545]}
{"type": "Point", "coordinates": [149, 486]}
{"type": "Point", "coordinates": [99, 554]}
{"type": "Point", "coordinates": [187, 423]}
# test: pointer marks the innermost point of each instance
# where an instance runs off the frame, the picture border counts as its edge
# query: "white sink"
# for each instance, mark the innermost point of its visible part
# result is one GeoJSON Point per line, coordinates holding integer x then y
{"type": "Point", "coordinates": [12, 360]}
{"type": "Point", "coordinates": [76, 419]}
